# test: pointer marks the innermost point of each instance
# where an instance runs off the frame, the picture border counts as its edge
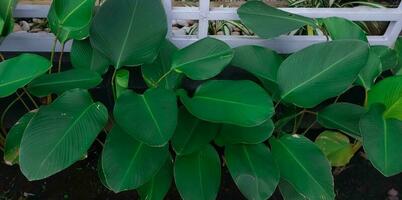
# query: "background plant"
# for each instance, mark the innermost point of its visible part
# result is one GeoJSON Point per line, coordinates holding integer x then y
{"type": "Point", "coordinates": [264, 125]}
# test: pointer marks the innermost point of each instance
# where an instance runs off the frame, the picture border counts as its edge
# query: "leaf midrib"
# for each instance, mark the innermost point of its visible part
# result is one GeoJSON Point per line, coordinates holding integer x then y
{"type": "Point", "coordinates": [330, 67]}
{"type": "Point", "coordinates": [224, 54]}
{"type": "Point", "coordinates": [152, 116]}
{"type": "Point", "coordinates": [130, 165]}
{"type": "Point", "coordinates": [228, 101]}
{"type": "Point", "coordinates": [61, 82]}
{"type": "Point", "coordinates": [346, 128]}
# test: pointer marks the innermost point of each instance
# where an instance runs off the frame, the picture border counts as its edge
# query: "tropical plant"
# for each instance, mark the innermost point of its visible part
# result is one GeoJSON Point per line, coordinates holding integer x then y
{"type": "Point", "coordinates": [263, 124]}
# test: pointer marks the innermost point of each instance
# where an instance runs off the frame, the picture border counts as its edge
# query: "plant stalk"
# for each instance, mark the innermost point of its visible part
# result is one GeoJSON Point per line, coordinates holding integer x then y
{"type": "Point", "coordinates": [3, 115]}
{"type": "Point", "coordinates": [61, 57]}
{"type": "Point", "coordinates": [163, 77]}
{"type": "Point", "coordinates": [31, 98]}
{"type": "Point", "coordinates": [2, 57]}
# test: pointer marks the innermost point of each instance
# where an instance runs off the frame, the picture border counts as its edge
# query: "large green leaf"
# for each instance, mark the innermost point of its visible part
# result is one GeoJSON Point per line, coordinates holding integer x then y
{"type": "Point", "coordinates": [83, 56]}
{"type": "Point", "coordinates": [253, 169]}
{"type": "Point", "coordinates": [19, 71]}
{"type": "Point", "coordinates": [241, 103]}
{"type": "Point", "coordinates": [342, 116]}
{"type": "Point", "coordinates": [321, 71]}
{"type": "Point", "coordinates": [261, 18]}
{"type": "Point", "coordinates": [389, 93]}
{"type": "Point", "coordinates": [159, 186]}
{"type": "Point", "coordinates": [341, 28]}
{"type": "Point", "coordinates": [336, 147]}
{"type": "Point", "coordinates": [232, 134]}
{"type": "Point", "coordinates": [161, 66]}
{"type": "Point", "coordinates": [203, 59]}
{"type": "Point", "coordinates": [198, 175]}
{"type": "Point", "coordinates": [370, 71]}
{"type": "Point", "coordinates": [14, 136]}
{"type": "Point", "coordinates": [150, 118]}
{"type": "Point", "coordinates": [388, 56]}
{"type": "Point", "coordinates": [398, 49]}
{"type": "Point", "coordinates": [129, 32]}
{"type": "Point", "coordinates": [304, 166]}
{"type": "Point", "coordinates": [260, 61]}
{"type": "Point", "coordinates": [127, 163]}
{"type": "Point", "coordinates": [382, 140]}
{"type": "Point", "coordinates": [6, 14]}
{"type": "Point", "coordinates": [71, 19]}
{"type": "Point", "coordinates": [192, 134]}
{"type": "Point", "coordinates": [60, 82]}
{"type": "Point", "coordinates": [60, 134]}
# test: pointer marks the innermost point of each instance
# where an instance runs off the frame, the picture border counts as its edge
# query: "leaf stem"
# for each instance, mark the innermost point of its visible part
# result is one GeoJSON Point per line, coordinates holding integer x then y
{"type": "Point", "coordinates": [308, 129]}
{"type": "Point", "coordinates": [61, 57]}
{"type": "Point", "coordinates": [52, 53]}
{"type": "Point", "coordinates": [3, 115]}
{"type": "Point", "coordinates": [356, 147]}
{"type": "Point", "coordinates": [163, 76]}
{"type": "Point", "coordinates": [31, 98]}
{"type": "Point", "coordinates": [2, 57]}
{"type": "Point", "coordinates": [24, 103]}
{"type": "Point", "coordinates": [112, 82]}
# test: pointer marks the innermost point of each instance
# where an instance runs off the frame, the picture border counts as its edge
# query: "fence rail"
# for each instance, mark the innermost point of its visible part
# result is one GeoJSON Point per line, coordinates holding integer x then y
{"type": "Point", "coordinates": [42, 42]}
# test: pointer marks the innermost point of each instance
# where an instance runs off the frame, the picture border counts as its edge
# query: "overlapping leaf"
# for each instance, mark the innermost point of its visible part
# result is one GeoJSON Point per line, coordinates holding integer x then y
{"type": "Point", "coordinates": [232, 134]}
{"type": "Point", "coordinates": [336, 147]}
{"type": "Point", "coordinates": [83, 56]}
{"type": "Point", "coordinates": [340, 29]}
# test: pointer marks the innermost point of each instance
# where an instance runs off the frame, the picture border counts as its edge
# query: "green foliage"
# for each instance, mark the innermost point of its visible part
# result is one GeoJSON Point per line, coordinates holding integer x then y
{"type": "Point", "coordinates": [150, 126]}
{"type": "Point", "coordinates": [6, 19]}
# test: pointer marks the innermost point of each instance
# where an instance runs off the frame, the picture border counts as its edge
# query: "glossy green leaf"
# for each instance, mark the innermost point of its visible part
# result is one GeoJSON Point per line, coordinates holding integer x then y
{"type": "Point", "coordinates": [260, 61]}
{"type": "Point", "coordinates": [150, 118]}
{"type": "Point", "coordinates": [321, 71]}
{"type": "Point", "coordinates": [370, 71]}
{"type": "Point", "coordinates": [70, 19]}
{"type": "Point", "coordinates": [198, 175]}
{"type": "Point", "coordinates": [342, 116]}
{"type": "Point", "coordinates": [388, 56]}
{"type": "Point", "coordinates": [341, 28]}
{"type": "Point", "coordinates": [60, 134]}
{"type": "Point", "coordinates": [83, 56]}
{"type": "Point", "coordinates": [122, 80]}
{"type": "Point", "coordinates": [382, 140]}
{"type": "Point", "coordinates": [58, 83]}
{"type": "Point", "coordinates": [288, 191]}
{"type": "Point", "coordinates": [6, 14]}
{"type": "Point", "coordinates": [159, 186]}
{"type": "Point", "coordinates": [19, 71]}
{"type": "Point", "coordinates": [231, 134]}
{"type": "Point", "coordinates": [2, 23]}
{"type": "Point", "coordinates": [161, 66]}
{"type": "Point", "coordinates": [304, 166]}
{"type": "Point", "coordinates": [192, 134]}
{"type": "Point", "coordinates": [127, 163]}
{"type": "Point", "coordinates": [129, 32]}
{"type": "Point", "coordinates": [101, 173]}
{"type": "Point", "coordinates": [260, 18]}
{"type": "Point", "coordinates": [203, 59]}
{"type": "Point", "coordinates": [253, 170]}
{"type": "Point", "coordinates": [389, 93]}
{"type": "Point", "coordinates": [14, 136]}
{"type": "Point", "coordinates": [242, 103]}
{"type": "Point", "coordinates": [336, 147]}
{"type": "Point", "coordinates": [398, 49]}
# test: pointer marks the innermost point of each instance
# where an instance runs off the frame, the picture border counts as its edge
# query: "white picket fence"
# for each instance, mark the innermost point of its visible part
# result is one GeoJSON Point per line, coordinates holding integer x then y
{"type": "Point", "coordinates": [42, 42]}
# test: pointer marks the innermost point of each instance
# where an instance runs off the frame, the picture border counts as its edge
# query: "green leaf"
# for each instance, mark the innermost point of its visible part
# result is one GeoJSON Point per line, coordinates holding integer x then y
{"type": "Point", "coordinates": [253, 169]}
{"type": "Point", "coordinates": [321, 71]}
{"type": "Point", "coordinates": [122, 80]}
{"type": "Point", "coordinates": [370, 72]}
{"type": "Point", "coordinates": [242, 103]}
{"type": "Point", "coordinates": [2, 23]}
{"type": "Point", "coordinates": [19, 71]}
{"type": "Point", "coordinates": [60, 134]}
{"type": "Point", "coordinates": [6, 14]}
{"type": "Point", "coordinates": [342, 116]}
{"type": "Point", "coordinates": [389, 93]}
{"type": "Point", "coordinates": [388, 56]}
{"type": "Point", "coordinates": [71, 19]}
{"type": "Point", "coordinates": [161, 66]}
{"type": "Point", "coordinates": [192, 134]}
{"type": "Point", "coordinates": [60, 82]}
{"type": "Point", "coordinates": [382, 140]}
{"type": "Point", "coordinates": [83, 56]}
{"type": "Point", "coordinates": [260, 18]}
{"type": "Point", "coordinates": [150, 118]}
{"type": "Point", "coordinates": [231, 134]}
{"type": "Point", "coordinates": [203, 59]}
{"type": "Point", "coordinates": [101, 173]}
{"type": "Point", "coordinates": [127, 163]}
{"type": "Point", "coordinates": [398, 49]}
{"type": "Point", "coordinates": [198, 175]}
{"type": "Point", "coordinates": [260, 61]}
{"type": "Point", "coordinates": [159, 186]}
{"type": "Point", "coordinates": [14, 136]}
{"type": "Point", "coordinates": [288, 191]}
{"type": "Point", "coordinates": [304, 166]}
{"type": "Point", "coordinates": [129, 32]}
{"type": "Point", "coordinates": [336, 147]}
{"type": "Point", "coordinates": [341, 28]}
